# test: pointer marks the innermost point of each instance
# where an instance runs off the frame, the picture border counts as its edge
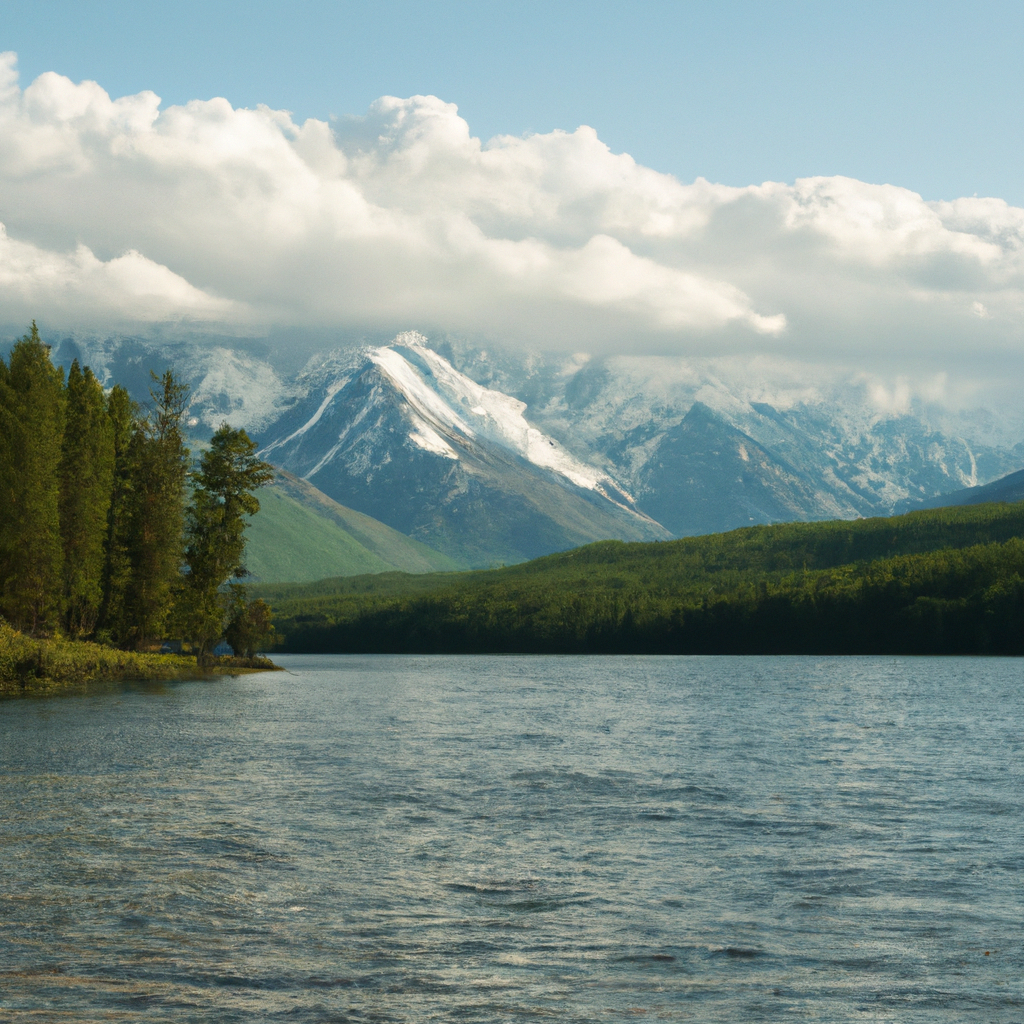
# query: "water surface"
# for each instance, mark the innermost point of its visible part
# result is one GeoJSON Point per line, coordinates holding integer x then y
{"type": "Point", "coordinates": [513, 839]}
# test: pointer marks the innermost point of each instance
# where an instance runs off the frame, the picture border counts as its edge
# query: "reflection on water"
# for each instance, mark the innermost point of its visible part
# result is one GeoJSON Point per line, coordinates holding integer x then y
{"type": "Point", "coordinates": [413, 839]}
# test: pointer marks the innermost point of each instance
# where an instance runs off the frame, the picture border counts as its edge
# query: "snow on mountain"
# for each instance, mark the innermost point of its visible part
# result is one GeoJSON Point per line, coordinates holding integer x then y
{"type": "Point", "coordinates": [434, 388]}
{"type": "Point", "coordinates": [398, 433]}
{"type": "Point", "coordinates": [502, 455]}
{"type": "Point", "coordinates": [228, 384]}
{"type": "Point", "coordinates": [839, 446]}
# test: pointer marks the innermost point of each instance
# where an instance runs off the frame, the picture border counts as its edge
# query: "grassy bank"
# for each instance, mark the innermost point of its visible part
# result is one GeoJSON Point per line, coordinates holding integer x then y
{"type": "Point", "coordinates": [30, 666]}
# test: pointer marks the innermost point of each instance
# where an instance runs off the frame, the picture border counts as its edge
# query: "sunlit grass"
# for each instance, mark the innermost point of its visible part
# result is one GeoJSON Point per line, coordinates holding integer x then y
{"type": "Point", "coordinates": [31, 665]}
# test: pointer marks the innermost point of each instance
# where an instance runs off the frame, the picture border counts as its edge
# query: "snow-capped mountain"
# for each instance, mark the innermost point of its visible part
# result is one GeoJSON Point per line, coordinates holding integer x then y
{"type": "Point", "coordinates": [500, 456]}
{"type": "Point", "coordinates": [713, 444]}
{"type": "Point", "coordinates": [398, 433]}
{"type": "Point", "coordinates": [228, 382]}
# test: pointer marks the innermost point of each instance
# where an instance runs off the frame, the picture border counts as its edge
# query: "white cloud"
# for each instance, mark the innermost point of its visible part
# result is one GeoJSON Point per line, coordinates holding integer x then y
{"type": "Point", "coordinates": [78, 288]}
{"type": "Point", "coordinates": [119, 211]}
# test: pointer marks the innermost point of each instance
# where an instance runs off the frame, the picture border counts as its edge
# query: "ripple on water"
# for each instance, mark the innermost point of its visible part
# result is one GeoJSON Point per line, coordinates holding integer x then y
{"type": "Point", "coordinates": [478, 839]}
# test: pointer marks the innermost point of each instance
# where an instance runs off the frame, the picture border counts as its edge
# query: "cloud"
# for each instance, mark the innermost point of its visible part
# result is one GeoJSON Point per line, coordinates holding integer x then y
{"type": "Point", "coordinates": [80, 289]}
{"type": "Point", "coordinates": [123, 212]}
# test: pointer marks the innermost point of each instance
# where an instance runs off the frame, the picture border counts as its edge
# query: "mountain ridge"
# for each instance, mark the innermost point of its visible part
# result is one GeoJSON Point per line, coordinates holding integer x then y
{"type": "Point", "coordinates": [1009, 488]}
{"type": "Point", "coordinates": [498, 456]}
{"type": "Point", "coordinates": [405, 438]}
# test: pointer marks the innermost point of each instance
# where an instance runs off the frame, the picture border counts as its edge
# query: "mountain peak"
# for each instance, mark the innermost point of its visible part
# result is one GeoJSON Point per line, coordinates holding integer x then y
{"type": "Point", "coordinates": [405, 437]}
{"type": "Point", "coordinates": [410, 339]}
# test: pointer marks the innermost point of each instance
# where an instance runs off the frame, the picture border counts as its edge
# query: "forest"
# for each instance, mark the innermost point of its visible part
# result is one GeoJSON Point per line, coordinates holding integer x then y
{"type": "Point", "coordinates": [111, 532]}
{"type": "Point", "coordinates": [108, 530]}
{"type": "Point", "coordinates": [948, 581]}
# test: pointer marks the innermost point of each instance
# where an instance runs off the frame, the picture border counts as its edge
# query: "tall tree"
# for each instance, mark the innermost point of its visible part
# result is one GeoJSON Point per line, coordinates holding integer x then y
{"type": "Point", "coordinates": [8, 480]}
{"type": "Point", "coordinates": [222, 497]}
{"type": "Point", "coordinates": [86, 480]}
{"type": "Point", "coordinates": [160, 468]}
{"type": "Point", "coordinates": [123, 416]}
{"type": "Point", "coordinates": [32, 403]}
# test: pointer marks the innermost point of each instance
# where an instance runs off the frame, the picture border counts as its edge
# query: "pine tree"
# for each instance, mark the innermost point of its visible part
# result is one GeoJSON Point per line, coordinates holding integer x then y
{"type": "Point", "coordinates": [8, 489]}
{"type": "Point", "coordinates": [159, 458]}
{"type": "Point", "coordinates": [123, 417]}
{"type": "Point", "coordinates": [32, 403]}
{"type": "Point", "coordinates": [222, 497]}
{"type": "Point", "coordinates": [86, 481]}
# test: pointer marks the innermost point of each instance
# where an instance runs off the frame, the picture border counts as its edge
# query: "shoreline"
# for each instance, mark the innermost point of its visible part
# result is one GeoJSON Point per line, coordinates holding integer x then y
{"type": "Point", "coordinates": [31, 667]}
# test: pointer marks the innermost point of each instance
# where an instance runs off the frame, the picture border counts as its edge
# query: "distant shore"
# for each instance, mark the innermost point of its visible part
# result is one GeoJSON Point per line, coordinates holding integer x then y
{"type": "Point", "coordinates": [32, 667]}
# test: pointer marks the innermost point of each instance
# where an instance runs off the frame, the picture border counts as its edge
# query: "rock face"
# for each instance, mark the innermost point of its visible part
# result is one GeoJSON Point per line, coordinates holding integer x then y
{"type": "Point", "coordinates": [710, 444]}
{"type": "Point", "coordinates": [1007, 488]}
{"type": "Point", "coordinates": [402, 436]}
{"type": "Point", "coordinates": [706, 476]}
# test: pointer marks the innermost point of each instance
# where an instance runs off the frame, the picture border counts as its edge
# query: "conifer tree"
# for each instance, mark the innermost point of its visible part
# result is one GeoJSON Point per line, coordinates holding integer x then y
{"type": "Point", "coordinates": [33, 426]}
{"type": "Point", "coordinates": [86, 480]}
{"type": "Point", "coordinates": [123, 417]}
{"type": "Point", "coordinates": [8, 490]}
{"type": "Point", "coordinates": [222, 497]}
{"type": "Point", "coordinates": [249, 627]}
{"type": "Point", "coordinates": [159, 458]}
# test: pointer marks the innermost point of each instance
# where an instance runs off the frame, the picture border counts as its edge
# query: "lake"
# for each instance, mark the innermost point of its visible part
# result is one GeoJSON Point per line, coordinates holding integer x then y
{"type": "Point", "coordinates": [520, 838]}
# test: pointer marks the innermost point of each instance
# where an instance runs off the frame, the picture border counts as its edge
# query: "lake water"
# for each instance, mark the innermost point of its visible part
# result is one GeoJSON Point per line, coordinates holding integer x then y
{"type": "Point", "coordinates": [519, 839]}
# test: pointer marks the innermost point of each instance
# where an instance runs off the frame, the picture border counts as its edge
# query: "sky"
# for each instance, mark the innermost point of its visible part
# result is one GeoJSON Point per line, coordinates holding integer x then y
{"type": "Point", "coordinates": [825, 182]}
{"type": "Point", "coordinates": [929, 96]}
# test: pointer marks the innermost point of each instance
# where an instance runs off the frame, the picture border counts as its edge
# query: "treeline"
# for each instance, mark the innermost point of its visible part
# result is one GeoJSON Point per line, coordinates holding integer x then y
{"type": "Point", "coordinates": [106, 530]}
{"type": "Point", "coordinates": [949, 581]}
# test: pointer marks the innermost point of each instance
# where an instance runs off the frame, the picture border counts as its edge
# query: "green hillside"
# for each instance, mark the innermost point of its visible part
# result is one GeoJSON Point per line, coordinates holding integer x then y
{"type": "Point", "coordinates": [301, 534]}
{"type": "Point", "coordinates": [943, 581]}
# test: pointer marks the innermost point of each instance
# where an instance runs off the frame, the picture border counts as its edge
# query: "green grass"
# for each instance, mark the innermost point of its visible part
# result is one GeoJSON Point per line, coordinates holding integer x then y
{"type": "Point", "coordinates": [35, 666]}
{"type": "Point", "coordinates": [300, 534]}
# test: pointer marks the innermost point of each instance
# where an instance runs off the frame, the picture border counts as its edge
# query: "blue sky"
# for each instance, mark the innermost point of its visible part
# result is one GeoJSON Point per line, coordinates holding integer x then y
{"type": "Point", "coordinates": [929, 96]}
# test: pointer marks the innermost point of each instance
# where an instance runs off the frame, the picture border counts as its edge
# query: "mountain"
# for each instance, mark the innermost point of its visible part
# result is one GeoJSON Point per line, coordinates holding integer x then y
{"type": "Point", "coordinates": [1007, 488]}
{"type": "Point", "coordinates": [300, 534]}
{"type": "Point", "coordinates": [706, 476]}
{"type": "Point", "coordinates": [399, 434]}
{"type": "Point", "coordinates": [826, 448]}
{"type": "Point", "coordinates": [230, 379]}
{"type": "Point", "coordinates": [498, 456]}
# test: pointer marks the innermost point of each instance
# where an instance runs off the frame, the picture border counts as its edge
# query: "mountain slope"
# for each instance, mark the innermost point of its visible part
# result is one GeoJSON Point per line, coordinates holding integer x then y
{"type": "Point", "coordinates": [401, 436]}
{"type": "Point", "coordinates": [301, 534]}
{"type": "Point", "coordinates": [1007, 488]}
{"type": "Point", "coordinates": [861, 449]}
{"type": "Point", "coordinates": [705, 476]}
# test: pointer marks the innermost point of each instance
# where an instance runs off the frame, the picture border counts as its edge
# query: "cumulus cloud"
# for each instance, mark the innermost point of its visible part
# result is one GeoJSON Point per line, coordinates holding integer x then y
{"type": "Point", "coordinates": [122, 212]}
{"type": "Point", "coordinates": [78, 288]}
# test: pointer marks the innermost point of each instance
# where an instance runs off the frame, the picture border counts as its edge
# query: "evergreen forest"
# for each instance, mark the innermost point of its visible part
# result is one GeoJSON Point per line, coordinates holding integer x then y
{"type": "Point", "coordinates": [108, 531]}
{"type": "Point", "coordinates": [948, 581]}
